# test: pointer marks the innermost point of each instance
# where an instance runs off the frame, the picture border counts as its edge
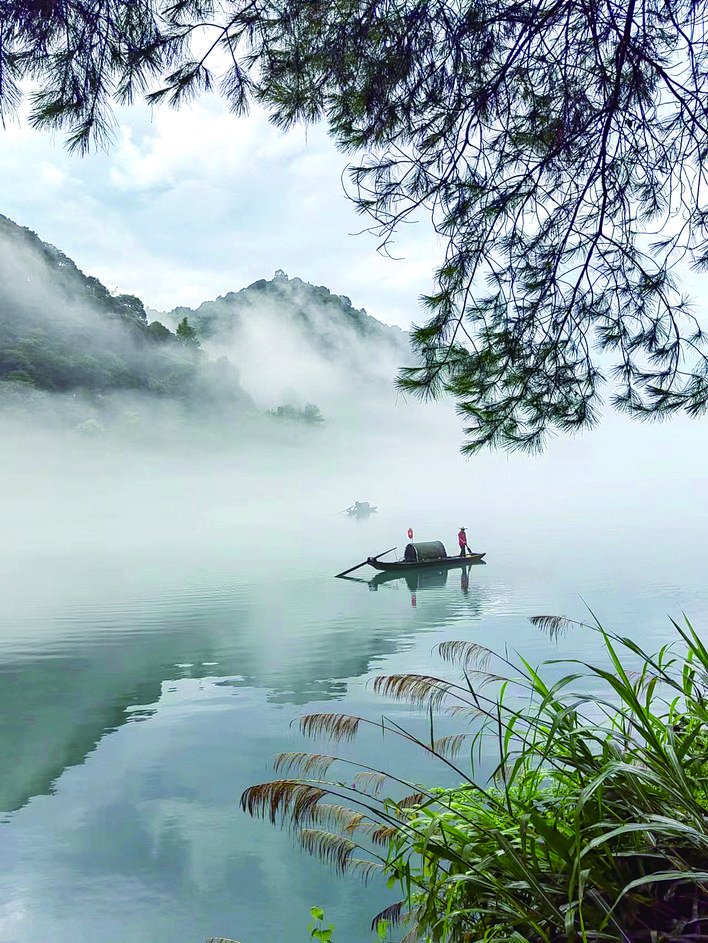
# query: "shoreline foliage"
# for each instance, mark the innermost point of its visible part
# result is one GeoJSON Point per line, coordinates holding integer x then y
{"type": "Point", "coordinates": [309, 413]}
{"type": "Point", "coordinates": [592, 827]}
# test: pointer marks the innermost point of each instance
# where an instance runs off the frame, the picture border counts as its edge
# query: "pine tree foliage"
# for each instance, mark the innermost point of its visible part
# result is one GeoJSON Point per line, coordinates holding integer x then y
{"type": "Point", "coordinates": [558, 147]}
{"type": "Point", "coordinates": [187, 334]}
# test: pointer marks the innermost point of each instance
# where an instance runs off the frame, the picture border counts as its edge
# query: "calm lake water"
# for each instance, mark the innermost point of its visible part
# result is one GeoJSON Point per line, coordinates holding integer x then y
{"type": "Point", "coordinates": [165, 619]}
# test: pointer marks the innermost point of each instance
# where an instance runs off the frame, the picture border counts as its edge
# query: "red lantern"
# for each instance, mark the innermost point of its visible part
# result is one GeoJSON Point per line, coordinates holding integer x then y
{"type": "Point", "coordinates": [410, 533]}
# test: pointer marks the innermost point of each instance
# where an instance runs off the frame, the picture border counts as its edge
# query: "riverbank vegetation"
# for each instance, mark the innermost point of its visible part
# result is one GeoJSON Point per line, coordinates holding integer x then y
{"type": "Point", "coordinates": [593, 825]}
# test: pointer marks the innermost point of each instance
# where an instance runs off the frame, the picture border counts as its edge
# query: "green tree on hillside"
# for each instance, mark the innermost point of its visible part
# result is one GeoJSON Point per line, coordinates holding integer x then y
{"type": "Point", "coordinates": [187, 334]}
{"type": "Point", "coordinates": [158, 331]}
{"type": "Point", "coordinates": [558, 147]}
{"type": "Point", "coordinates": [130, 305]}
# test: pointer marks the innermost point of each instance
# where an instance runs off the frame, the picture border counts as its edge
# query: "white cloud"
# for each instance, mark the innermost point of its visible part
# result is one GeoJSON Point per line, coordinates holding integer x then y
{"type": "Point", "coordinates": [193, 204]}
{"type": "Point", "coordinates": [52, 175]}
{"type": "Point", "coordinates": [195, 143]}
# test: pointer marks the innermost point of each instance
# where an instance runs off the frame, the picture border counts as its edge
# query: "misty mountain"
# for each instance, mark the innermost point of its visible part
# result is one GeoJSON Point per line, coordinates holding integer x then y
{"type": "Point", "coordinates": [279, 350]}
{"type": "Point", "coordinates": [292, 341]}
{"type": "Point", "coordinates": [62, 331]}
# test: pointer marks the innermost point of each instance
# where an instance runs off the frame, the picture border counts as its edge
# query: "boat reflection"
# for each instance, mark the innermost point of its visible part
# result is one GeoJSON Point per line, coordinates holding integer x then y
{"type": "Point", "coordinates": [416, 580]}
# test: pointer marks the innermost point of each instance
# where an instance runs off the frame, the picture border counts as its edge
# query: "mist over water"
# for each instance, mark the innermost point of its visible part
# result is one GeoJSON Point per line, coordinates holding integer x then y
{"type": "Point", "coordinates": [169, 609]}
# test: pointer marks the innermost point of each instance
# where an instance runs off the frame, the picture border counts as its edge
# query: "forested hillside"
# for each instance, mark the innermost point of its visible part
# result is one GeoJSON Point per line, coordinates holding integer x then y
{"type": "Point", "coordinates": [63, 331]}
{"type": "Point", "coordinates": [328, 320]}
{"type": "Point", "coordinates": [279, 349]}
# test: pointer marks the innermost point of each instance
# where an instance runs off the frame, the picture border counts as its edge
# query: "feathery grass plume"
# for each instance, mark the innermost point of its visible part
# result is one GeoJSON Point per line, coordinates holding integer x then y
{"type": "Point", "coordinates": [308, 764]}
{"type": "Point", "coordinates": [383, 834]}
{"type": "Point", "coordinates": [333, 849]}
{"type": "Point", "coordinates": [365, 869]}
{"type": "Point", "coordinates": [370, 782]}
{"type": "Point", "coordinates": [451, 746]}
{"type": "Point", "coordinates": [467, 655]}
{"type": "Point", "coordinates": [555, 626]}
{"type": "Point", "coordinates": [339, 816]}
{"type": "Point", "coordinates": [592, 828]}
{"type": "Point", "coordinates": [415, 799]}
{"type": "Point", "coordinates": [282, 798]}
{"type": "Point", "coordinates": [334, 726]}
{"type": "Point", "coordinates": [418, 690]}
{"type": "Point", "coordinates": [390, 914]}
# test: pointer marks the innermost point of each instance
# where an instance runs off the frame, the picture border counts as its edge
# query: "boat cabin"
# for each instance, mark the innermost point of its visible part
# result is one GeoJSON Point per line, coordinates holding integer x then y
{"type": "Point", "coordinates": [425, 551]}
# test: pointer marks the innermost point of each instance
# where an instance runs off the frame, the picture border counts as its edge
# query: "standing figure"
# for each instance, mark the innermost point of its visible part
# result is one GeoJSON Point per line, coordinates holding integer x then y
{"type": "Point", "coordinates": [462, 540]}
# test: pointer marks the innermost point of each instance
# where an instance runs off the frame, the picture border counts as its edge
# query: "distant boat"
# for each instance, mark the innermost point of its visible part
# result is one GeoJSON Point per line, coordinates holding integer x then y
{"type": "Point", "coordinates": [360, 509]}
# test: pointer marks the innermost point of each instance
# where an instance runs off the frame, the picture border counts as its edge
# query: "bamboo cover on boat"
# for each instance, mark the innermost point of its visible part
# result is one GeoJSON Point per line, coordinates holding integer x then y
{"type": "Point", "coordinates": [427, 550]}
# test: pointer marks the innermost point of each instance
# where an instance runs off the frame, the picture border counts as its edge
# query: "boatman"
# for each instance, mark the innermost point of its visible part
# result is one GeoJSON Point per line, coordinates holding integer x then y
{"type": "Point", "coordinates": [462, 540]}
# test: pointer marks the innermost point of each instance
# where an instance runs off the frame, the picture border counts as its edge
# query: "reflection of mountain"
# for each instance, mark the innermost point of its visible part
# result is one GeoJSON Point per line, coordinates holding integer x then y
{"type": "Point", "coordinates": [55, 708]}
{"type": "Point", "coordinates": [58, 701]}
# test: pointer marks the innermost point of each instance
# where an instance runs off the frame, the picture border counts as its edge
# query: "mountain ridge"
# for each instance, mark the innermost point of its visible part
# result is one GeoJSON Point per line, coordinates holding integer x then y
{"type": "Point", "coordinates": [269, 348]}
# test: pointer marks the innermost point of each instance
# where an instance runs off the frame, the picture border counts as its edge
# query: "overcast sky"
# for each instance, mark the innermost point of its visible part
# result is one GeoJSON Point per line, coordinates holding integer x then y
{"type": "Point", "coordinates": [192, 204]}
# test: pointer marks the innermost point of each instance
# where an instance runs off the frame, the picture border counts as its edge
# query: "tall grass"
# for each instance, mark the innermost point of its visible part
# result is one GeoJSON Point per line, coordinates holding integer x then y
{"type": "Point", "coordinates": [592, 827]}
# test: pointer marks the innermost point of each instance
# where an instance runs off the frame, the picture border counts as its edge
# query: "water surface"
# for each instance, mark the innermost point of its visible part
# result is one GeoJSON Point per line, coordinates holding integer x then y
{"type": "Point", "coordinates": [165, 621]}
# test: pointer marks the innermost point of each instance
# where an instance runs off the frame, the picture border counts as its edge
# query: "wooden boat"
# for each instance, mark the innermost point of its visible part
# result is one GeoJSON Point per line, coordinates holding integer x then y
{"type": "Point", "coordinates": [425, 570]}
{"type": "Point", "coordinates": [428, 554]}
{"type": "Point", "coordinates": [404, 565]}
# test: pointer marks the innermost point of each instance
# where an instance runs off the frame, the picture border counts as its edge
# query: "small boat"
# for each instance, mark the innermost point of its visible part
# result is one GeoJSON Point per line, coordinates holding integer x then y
{"type": "Point", "coordinates": [445, 561]}
{"type": "Point", "coordinates": [421, 555]}
{"type": "Point", "coordinates": [428, 553]}
{"type": "Point", "coordinates": [360, 509]}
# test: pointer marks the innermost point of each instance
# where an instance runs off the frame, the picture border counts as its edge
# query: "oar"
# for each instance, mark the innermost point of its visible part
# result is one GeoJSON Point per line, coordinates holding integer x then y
{"type": "Point", "coordinates": [352, 568]}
